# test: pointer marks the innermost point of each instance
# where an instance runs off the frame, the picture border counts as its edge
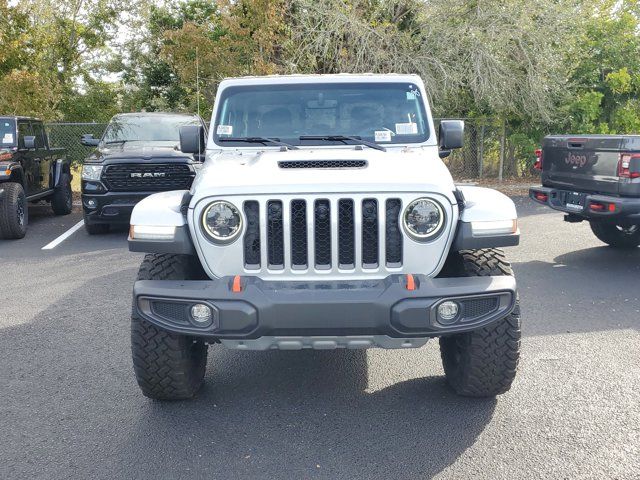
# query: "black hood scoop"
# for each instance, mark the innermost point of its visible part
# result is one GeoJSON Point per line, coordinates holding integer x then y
{"type": "Point", "coordinates": [323, 164]}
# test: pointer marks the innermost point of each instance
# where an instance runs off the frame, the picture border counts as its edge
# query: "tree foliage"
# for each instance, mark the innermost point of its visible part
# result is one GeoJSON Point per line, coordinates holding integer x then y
{"type": "Point", "coordinates": [539, 65]}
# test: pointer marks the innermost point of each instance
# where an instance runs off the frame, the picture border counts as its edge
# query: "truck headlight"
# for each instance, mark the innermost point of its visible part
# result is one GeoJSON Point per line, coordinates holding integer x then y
{"type": "Point", "coordinates": [91, 172]}
{"type": "Point", "coordinates": [222, 222]}
{"type": "Point", "coordinates": [423, 219]}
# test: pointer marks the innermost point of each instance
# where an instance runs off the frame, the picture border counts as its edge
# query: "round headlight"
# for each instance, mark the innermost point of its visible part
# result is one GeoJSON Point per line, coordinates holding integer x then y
{"type": "Point", "coordinates": [222, 222]}
{"type": "Point", "coordinates": [423, 218]}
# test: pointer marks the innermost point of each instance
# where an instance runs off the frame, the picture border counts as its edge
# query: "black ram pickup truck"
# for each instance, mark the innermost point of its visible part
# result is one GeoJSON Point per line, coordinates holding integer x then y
{"type": "Point", "coordinates": [30, 171]}
{"type": "Point", "coordinates": [594, 178]}
{"type": "Point", "coordinates": [139, 154]}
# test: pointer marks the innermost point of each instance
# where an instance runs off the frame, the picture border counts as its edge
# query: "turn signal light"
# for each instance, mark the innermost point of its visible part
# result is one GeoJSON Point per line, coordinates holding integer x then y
{"type": "Point", "coordinates": [624, 165]}
{"type": "Point", "coordinates": [541, 197]}
{"type": "Point", "coordinates": [538, 164]}
{"type": "Point", "coordinates": [602, 207]}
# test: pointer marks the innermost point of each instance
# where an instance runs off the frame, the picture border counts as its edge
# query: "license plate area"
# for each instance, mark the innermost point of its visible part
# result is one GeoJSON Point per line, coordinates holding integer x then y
{"type": "Point", "coordinates": [574, 201]}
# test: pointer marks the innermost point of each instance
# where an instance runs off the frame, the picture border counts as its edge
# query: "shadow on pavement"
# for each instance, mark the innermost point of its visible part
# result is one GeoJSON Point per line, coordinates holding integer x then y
{"type": "Point", "coordinates": [274, 414]}
{"type": "Point", "coordinates": [589, 290]}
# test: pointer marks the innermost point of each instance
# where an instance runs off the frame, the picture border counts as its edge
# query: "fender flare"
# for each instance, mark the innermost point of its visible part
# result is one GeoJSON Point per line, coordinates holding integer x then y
{"type": "Point", "coordinates": [164, 209]}
{"type": "Point", "coordinates": [483, 206]}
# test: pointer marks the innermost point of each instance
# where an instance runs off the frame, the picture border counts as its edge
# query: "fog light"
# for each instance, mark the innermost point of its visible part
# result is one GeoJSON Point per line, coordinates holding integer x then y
{"type": "Point", "coordinates": [201, 313]}
{"type": "Point", "coordinates": [91, 203]}
{"type": "Point", "coordinates": [447, 312]}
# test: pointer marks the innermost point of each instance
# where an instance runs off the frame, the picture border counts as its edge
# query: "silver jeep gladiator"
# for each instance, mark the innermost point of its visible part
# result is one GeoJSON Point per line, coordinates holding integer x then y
{"type": "Point", "coordinates": [324, 217]}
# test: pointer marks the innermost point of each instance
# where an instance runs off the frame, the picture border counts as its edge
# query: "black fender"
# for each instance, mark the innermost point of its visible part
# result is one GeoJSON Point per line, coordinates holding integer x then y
{"type": "Point", "coordinates": [60, 166]}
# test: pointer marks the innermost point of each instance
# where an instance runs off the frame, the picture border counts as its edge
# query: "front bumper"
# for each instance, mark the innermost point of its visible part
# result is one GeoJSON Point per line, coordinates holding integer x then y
{"type": "Point", "coordinates": [261, 309]}
{"type": "Point", "coordinates": [110, 207]}
{"type": "Point", "coordinates": [624, 208]}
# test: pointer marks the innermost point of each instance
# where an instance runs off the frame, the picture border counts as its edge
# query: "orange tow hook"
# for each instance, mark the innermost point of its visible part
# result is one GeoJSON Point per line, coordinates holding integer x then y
{"type": "Point", "coordinates": [236, 287]}
{"type": "Point", "coordinates": [411, 282]}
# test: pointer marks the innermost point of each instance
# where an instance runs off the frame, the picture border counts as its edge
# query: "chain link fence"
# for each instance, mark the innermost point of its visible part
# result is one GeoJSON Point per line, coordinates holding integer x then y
{"type": "Point", "coordinates": [67, 135]}
{"type": "Point", "coordinates": [490, 151]}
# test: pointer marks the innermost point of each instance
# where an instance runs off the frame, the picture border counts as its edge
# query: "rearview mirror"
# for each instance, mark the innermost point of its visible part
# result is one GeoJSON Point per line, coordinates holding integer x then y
{"type": "Point", "coordinates": [192, 139]}
{"type": "Point", "coordinates": [29, 142]}
{"type": "Point", "coordinates": [88, 141]}
{"type": "Point", "coordinates": [451, 134]}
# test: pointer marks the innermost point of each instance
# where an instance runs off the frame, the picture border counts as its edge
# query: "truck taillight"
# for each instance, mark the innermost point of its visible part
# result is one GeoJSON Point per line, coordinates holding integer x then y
{"type": "Point", "coordinates": [538, 164]}
{"type": "Point", "coordinates": [625, 168]}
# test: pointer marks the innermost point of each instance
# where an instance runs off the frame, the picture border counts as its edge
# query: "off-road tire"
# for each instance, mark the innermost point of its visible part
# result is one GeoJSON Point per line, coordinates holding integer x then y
{"type": "Point", "coordinates": [483, 363]}
{"type": "Point", "coordinates": [96, 228]}
{"type": "Point", "coordinates": [14, 213]}
{"type": "Point", "coordinates": [62, 199]}
{"type": "Point", "coordinates": [167, 366]}
{"type": "Point", "coordinates": [615, 235]}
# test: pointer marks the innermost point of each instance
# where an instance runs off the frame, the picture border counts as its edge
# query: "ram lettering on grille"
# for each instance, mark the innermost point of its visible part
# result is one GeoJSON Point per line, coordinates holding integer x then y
{"type": "Point", "coordinates": [147, 177]}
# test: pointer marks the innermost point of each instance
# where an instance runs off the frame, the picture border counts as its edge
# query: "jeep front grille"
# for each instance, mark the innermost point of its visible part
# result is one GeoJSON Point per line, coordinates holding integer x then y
{"type": "Point", "coordinates": [325, 232]}
{"type": "Point", "coordinates": [316, 236]}
{"type": "Point", "coordinates": [147, 177]}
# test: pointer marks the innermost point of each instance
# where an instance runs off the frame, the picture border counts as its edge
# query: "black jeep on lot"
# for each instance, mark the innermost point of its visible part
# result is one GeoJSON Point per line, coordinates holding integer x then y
{"type": "Point", "coordinates": [30, 170]}
{"type": "Point", "coordinates": [594, 178]}
{"type": "Point", "coordinates": [138, 155]}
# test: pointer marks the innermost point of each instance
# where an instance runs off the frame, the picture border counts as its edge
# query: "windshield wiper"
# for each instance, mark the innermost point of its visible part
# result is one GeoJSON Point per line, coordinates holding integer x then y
{"type": "Point", "coordinates": [262, 140]}
{"type": "Point", "coordinates": [344, 138]}
{"type": "Point", "coordinates": [110, 142]}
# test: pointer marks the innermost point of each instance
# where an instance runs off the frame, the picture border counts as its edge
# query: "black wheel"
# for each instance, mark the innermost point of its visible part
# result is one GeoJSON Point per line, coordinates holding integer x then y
{"type": "Point", "coordinates": [95, 228]}
{"type": "Point", "coordinates": [483, 363]}
{"type": "Point", "coordinates": [167, 366]}
{"type": "Point", "coordinates": [14, 214]}
{"type": "Point", "coordinates": [617, 236]}
{"type": "Point", "coordinates": [62, 199]}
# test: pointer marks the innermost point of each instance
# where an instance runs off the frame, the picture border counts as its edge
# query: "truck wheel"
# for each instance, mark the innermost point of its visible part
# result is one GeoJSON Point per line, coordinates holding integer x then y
{"type": "Point", "coordinates": [617, 236]}
{"type": "Point", "coordinates": [167, 366]}
{"type": "Point", "coordinates": [13, 211]}
{"type": "Point", "coordinates": [62, 199]}
{"type": "Point", "coordinates": [483, 363]}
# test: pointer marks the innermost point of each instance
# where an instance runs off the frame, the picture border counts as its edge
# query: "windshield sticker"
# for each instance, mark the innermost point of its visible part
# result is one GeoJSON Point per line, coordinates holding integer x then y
{"type": "Point", "coordinates": [411, 95]}
{"type": "Point", "coordinates": [8, 138]}
{"type": "Point", "coordinates": [224, 130]}
{"type": "Point", "coordinates": [382, 136]}
{"type": "Point", "coordinates": [406, 128]}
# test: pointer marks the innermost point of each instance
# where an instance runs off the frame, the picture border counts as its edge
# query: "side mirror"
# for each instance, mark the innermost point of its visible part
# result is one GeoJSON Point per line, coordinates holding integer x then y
{"type": "Point", "coordinates": [88, 141]}
{"type": "Point", "coordinates": [29, 142]}
{"type": "Point", "coordinates": [192, 139]}
{"type": "Point", "coordinates": [451, 134]}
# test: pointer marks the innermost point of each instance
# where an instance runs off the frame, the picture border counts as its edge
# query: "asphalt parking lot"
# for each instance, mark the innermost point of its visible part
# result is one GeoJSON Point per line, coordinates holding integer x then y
{"type": "Point", "coordinates": [70, 407]}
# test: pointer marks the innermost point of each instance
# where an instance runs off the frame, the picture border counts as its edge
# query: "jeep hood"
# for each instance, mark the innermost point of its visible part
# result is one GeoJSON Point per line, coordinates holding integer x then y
{"type": "Point", "coordinates": [259, 172]}
{"type": "Point", "coordinates": [138, 150]}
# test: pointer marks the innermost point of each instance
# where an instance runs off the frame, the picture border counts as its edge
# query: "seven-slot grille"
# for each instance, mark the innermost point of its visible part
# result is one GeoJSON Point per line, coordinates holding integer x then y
{"type": "Point", "coordinates": [323, 234]}
{"type": "Point", "coordinates": [147, 177]}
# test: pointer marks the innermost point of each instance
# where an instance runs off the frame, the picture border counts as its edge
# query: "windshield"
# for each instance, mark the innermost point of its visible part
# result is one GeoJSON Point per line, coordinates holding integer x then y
{"type": "Point", "coordinates": [385, 113]}
{"type": "Point", "coordinates": [7, 132]}
{"type": "Point", "coordinates": [146, 128]}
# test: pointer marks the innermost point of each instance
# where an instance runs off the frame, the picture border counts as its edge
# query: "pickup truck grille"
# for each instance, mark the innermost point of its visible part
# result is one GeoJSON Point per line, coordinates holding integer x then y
{"type": "Point", "coordinates": [147, 177]}
{"type": "Point", "coordinates": [324, 234]}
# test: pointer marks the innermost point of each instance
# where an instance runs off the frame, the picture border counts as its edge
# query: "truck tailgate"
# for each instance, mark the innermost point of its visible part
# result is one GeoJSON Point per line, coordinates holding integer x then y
{"type": "Point", "coordinates": [582, 163]}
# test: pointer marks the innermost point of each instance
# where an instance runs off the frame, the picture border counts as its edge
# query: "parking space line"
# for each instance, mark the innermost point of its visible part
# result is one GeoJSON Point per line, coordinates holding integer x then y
{"type": "Point", "coordinates": [64, 236]}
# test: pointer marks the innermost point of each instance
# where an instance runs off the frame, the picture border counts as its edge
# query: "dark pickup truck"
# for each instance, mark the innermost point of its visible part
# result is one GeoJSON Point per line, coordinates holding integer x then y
{"type": "Point", "coordinates": [594, 178]}
{"type": "Point", "coordinates": [30, 171]}
{"type": "Point", "coordinates": [138, 155]}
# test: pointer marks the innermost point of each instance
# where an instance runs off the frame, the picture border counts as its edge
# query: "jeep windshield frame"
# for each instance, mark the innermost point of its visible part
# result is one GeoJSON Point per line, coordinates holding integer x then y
{"type": "Point", "coordinates": [146, 128]}
{"type": "Point", "coordinates": [386, 113]}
